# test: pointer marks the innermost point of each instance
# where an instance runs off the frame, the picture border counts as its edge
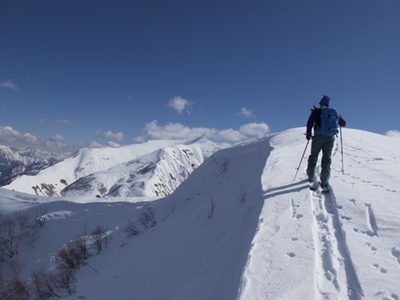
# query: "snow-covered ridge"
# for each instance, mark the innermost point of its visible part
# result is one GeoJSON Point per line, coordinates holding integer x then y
{"type": "Point", "coordinates": [95, 171]}
{"type": "Point", "coordinates": [155, 174]}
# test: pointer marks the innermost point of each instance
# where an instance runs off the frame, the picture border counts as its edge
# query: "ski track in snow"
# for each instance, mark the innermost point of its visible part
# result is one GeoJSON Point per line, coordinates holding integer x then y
{"type": "Point", "coordinates": [349, 254]}
{"type": "Point", "coordinates": [335, 273]}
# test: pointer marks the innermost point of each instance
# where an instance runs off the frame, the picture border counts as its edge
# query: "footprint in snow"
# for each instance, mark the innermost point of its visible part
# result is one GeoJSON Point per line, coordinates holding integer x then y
{"type": "Point", "coordinates": [346, 218]}
{"type": "Point", "coordinates": [387, 295]}
{"type": "Point", "coordinates": [380, 269]}
{"type": "Point", "coordinates": [396, 254]}
{"type": "Point", "coordinates": [353, 201]}
{"type": "Point", "coordinates": [371, 247]}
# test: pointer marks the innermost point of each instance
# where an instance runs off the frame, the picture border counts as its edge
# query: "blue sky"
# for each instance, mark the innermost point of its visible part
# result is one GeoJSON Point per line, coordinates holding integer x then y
{"type": "Point", "coordinates": [123, 71]}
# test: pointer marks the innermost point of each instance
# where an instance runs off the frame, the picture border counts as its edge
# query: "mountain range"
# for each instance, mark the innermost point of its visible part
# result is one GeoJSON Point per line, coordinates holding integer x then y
{"type": "Point", "coordinates": [15, 162]}
{"type": "Point", "coordinates": [240, 226]}
{"type": "Point", "coordinates": [154, 168]}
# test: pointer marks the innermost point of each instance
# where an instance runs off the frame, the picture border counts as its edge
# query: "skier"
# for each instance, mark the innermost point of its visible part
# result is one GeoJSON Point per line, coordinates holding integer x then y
{"type": "Point", "coordinates": [325, 121]}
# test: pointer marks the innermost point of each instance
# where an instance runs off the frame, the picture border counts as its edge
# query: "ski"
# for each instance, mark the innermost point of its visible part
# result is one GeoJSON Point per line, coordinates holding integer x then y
{"type": "Point", "coordinates": [313, 185]}
{"type": "Point", "coordinates": [325, 189]}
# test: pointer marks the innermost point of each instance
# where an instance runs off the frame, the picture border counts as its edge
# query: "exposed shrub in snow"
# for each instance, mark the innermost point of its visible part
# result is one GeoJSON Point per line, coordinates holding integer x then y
{"type": "Point", "coordinates": [131, 229]}
{"type": "Point", "coordinates": [13, 233]}
{"type": "Point", "coordinates": [147, 217]}
{"type": "Point", "coordinates": [40, 215]}
{"type": "Point", "coordinates": [66, 280]}
{"type": "Point", "coordinates": [222, 163]}
{"type": "Point", "coordinates": [49, 189]}
{"type": "Point", "coordinates": [43, 284]}
{"type": "Point", "coordinates": [100, 237]}
{"type": "Point", "coordinates": [171, 207]}
{"type": "Point", "coordinates": [70, 256]}
{"type": "Point", "coordinates": [13, 287]}
{"type": "Point", "coordinates": [211, 210]}
{"type": "Point", "coordinates": [243, 195]}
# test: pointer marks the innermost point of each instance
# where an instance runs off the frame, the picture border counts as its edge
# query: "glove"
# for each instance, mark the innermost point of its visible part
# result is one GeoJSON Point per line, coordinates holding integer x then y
{"type": "Point", "coordinates": [308, 136]}
{"type": "Point", "coordinates": [342, 122]}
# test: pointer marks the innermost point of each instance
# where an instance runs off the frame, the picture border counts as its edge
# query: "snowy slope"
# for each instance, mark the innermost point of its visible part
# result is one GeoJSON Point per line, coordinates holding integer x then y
{"type": "Point", "coordinates": [86, 161]}
{"type": "Point", "coordinates": [156, 174]}
{"type": "Point", "coordinates": [339, 246]}
{"type": "Point", "coordinates": [241, 227]}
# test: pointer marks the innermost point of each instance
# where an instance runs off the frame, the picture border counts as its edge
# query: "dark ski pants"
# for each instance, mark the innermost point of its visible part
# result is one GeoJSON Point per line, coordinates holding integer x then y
{"type": "Point", "coordinates": [324, 143]}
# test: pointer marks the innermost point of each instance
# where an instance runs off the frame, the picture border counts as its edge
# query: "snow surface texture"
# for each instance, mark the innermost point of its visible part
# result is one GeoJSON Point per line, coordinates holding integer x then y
{"type": "Point", "coordinates": [240, 227]}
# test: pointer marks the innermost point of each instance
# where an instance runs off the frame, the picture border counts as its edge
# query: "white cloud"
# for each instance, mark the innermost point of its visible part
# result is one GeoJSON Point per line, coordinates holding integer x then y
{"type": "Point", "coordinates": [8, 131]}
{"type": "Point", "coordinates": [180, 104]}
{"type": "Point", "coordinates": [179, 131]}
{"type": "Point", "coordinates": [14, 139]}
{"type": "Point", "coordinates": [246, 112]}
{"type": "Point", "coordinates": [9, 85]}
{"type": "Point", "coordinates": [119, 136]}
{"type": "Point", "coordinates": [57, 138]}
{"type": "Point", "coordinates": [63, 121]}
{"type": "Point", "coordinates": [231, 135]}
{"type": "Point", "coordinates": [254, 129]}
{"type": "Point", "coordinates": [393, 133]}
{"type": "Point", "coordinates": [140, 139]}
{"type": "Point", "coordinates": [59, 121]}
{"type": "Point", "coordinates": [175, 131]}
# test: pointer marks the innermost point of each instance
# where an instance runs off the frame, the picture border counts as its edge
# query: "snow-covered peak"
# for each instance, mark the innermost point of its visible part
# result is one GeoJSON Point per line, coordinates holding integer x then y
{"type": "Point", "coordinates": [155, 174]}
{"type": "Point", "coordinates": [51, 181]}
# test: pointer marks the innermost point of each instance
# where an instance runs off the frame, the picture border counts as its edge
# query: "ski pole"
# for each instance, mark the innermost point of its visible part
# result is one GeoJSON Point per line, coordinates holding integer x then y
{"type": "Point", "coordinates": [304, 152]}
{"type": "Point", "coordinates": [341, 146]}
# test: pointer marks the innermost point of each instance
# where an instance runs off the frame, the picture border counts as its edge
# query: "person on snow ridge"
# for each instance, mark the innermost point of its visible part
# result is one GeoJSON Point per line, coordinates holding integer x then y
{"type": "Point", "coordinates": [323, 139]}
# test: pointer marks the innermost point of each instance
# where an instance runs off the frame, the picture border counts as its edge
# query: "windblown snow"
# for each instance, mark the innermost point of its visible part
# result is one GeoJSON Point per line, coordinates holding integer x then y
{"type": "Point", "coordinates": [237, 226]}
